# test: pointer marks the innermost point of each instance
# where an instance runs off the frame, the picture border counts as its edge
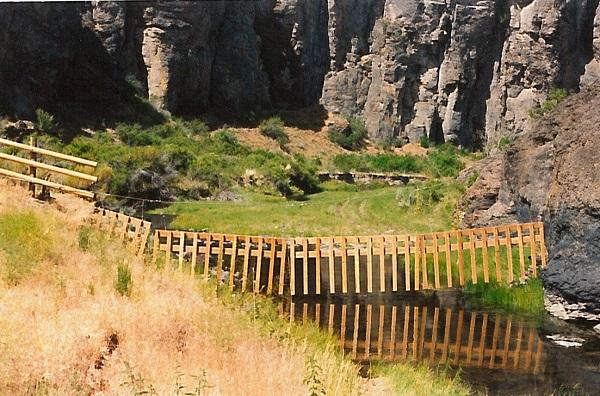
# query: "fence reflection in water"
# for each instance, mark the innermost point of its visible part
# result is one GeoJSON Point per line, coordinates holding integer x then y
{"type": "Point", "coordinates": [424, 333]}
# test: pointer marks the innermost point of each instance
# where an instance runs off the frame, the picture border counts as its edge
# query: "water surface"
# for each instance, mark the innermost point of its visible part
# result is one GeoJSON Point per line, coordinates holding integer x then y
{"type": "Point", "coordinates": [496, 353]}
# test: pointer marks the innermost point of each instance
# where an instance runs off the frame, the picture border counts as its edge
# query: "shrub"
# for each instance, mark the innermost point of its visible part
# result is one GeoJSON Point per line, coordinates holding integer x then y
{"type": "Point", "coordinates": [273, 128]}
{"type": "Point", "coordinates": [225, 142]}
{"type": "Point", "coordinates": [124, 282]}
{"type": "Point", "coordinates": [378, 163]}
{"type": "Point", "coordinates": [424, 141]}
{"type": "Point", "coordinates": [555, 96]}
{"type": "Point", "coordinates": [503, 142]}
{"type": "Point", "coordinates": [303, 176]}
{"type": "Point", "coordinates": [351, 138]}
{"type": "Point", "coordinates": [134, 135]}
{"type": "Point", "coordinates": [444, 161]}
{"type": "Point", "coordinates": [45, 121]}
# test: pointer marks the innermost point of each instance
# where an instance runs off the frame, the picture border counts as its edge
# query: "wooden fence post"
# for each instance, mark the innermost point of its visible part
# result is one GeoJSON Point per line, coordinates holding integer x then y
{"type": "Point", "coordinates": [32, 169]}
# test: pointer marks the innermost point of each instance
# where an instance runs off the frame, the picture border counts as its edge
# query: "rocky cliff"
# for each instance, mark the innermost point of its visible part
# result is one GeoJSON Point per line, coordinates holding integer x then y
{"type": "Point", "coordinates": [456, 70]}
{"type": "Point", "coordinates": [552, 173]}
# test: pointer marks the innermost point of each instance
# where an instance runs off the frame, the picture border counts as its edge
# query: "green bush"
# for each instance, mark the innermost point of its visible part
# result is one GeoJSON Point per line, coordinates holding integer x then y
{"type": "Point", "coordinates": [45, 121]}
{"type": "Point", "coordinates": [303, 176]}
{"type": "Point", "coordinates": [351, 138]}
{"type": "Point", "coordinates": [273, 128]}
{"type": "Point", "coordinates": [555, 96]}
{"type": "Point", "coordinates": [444, 161]}
{"type": "Point", "coordinates": [134, 135]}
{"type": "Point", "coordinates": [124, 282]}
{"type": "Point", "coordinates": [424, 141]}
{"type": "Point", "coordinates": [378, 163]}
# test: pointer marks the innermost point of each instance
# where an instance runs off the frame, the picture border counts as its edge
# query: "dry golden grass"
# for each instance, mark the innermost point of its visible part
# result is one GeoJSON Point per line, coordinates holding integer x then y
{"type": "Point", "coordinates": [65, 330]}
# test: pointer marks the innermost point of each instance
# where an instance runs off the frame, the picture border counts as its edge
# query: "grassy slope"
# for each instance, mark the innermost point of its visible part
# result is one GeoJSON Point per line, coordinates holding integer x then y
{"type": "Point", "coordinates": [59, 309]}
{"type": "Point", "coordinates": [338, 210]}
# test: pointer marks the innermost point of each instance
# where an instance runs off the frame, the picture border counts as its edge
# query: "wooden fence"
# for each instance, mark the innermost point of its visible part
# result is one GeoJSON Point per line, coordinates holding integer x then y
{"type": "Point", "coordinates": [420, 333]}
{"type": "Point", "coordinates": [33, 165]}
{"type": "Point", "coordinates": [316, 266]}
{"type": "Point", "coordinates": [131, 230]}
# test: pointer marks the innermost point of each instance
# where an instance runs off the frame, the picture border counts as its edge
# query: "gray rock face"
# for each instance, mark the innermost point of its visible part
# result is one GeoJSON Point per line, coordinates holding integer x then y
{"type": "Point", "coordinates": [466, 71]}
{"type": "Point", "coordinates": [547, 45]}
{"type": "Point", "coordinates": [552, 173]}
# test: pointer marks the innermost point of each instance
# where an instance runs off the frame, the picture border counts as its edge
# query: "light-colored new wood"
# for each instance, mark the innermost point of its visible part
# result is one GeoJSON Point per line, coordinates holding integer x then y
{"type": "Point", "coordinates": [292, 267]}
{"type": "Point", "coordinates": [424, 262]}
{"type": "Point", "coordinates": [461, 259]}
{"type": "Point", "coordinates": [232, 260]}
{"type": "Point", "coordinates": [318, 266]}
{"type": "Point", "coordinates": [543, 252]}
{"type": "Point", "coordinates": [521, 251]}
{"type": "Point", "coordinates": [49, 153]}
{"type": "Point", "coordinates": [533, 253]}
{"type": "Point", "coordinates": [407, 262]}
{"type": "Point", "coordinates": [48, 167]}
{"type": "Point", "coordinates": [497, 263]}
{"type": "Point", "coordinates": [56, 186]}
{"type": "Point", "coordinates": [282, 266]}
{"type": "Point", "coordinates": [472, 241]}
{"type": "Point", "coordinates": [417, 262]}
{"type": "Point", "coordinates": [258, 265]}
{"type": "Point", "coordinates": [305, 265]}
{"type": "Point", "coordinates": [331, 266]}
{"type": "Point", "coordinates": [394, 242]}
{"type": "Point", "coordinates": [370, 265]}
{"type": "Point", "coordinates": [344, 252]}
{"type": "Point", "coordinates": [168, 250]}
{"type": "Point", "coordinates": [436, 262]}
{"type": "Point", "coordinates": [509, 257]}
{"type": "Point", "coordinates": [356, 265]}
{"type": "Point", "coordinates": [484, 251]}
{"type": "Point", "coordinates": [155, 247]}
{"type": "Point", "coordinates": [181, 250]}
{"type": "Point", "coordinates": [272, 256]}
{"type": "Point", "coordinates": [381, 241]}
{"type": "Point", "coordinates": [247, 246]}
{"type": "Point", "coordinates": [207, 256]}
{"type": "Point", "coordinates": [194, 254]}
{"type": "Point", "coordinates": [448, 259]}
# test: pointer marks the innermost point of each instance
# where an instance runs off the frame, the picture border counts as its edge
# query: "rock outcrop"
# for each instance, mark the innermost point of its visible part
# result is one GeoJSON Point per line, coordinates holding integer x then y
{"type": "Point", "coordinates": [466, 71]}
{"type": "Point", "coordinates": [552, 173]}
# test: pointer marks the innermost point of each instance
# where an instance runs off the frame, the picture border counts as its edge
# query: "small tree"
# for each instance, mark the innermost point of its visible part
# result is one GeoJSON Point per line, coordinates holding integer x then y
{"type": "Point", "coordinates": [351, 138]}
{"type": "Point", "coordinates": [273, 128]}
{"type": "Point", "coordinates": [45, 121]}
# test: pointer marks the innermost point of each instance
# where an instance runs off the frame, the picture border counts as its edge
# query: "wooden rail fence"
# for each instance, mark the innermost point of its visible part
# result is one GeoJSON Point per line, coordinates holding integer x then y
{"type": "Point", "coordinates": [421, 333]}
{"type": "Point", "coordinates": [333, 265]}
{"type": "Point", "coordinates": [33, 165]}
{"type": "Point", "coordinates": [131, 230]}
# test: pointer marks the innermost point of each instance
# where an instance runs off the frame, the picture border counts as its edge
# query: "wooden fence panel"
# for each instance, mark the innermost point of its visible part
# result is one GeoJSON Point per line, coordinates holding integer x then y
{"type": "Point", "coordinates": [423, 255]}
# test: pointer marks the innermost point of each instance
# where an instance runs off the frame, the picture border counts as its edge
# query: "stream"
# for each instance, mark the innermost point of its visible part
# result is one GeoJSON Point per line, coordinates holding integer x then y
{"type": "Point", "coordinates": [496, 353]}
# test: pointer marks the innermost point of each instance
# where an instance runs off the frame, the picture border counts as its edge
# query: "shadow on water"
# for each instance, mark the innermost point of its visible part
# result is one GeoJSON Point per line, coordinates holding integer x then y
{"type": "Point", "coordinates": [497, 353]}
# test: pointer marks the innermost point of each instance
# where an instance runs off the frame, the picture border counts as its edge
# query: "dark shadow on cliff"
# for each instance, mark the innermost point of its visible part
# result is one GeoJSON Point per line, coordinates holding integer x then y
{"type": "Point", "coordinates": [63, 68]}
{"type": "Point", "coordinates": [310, 118]}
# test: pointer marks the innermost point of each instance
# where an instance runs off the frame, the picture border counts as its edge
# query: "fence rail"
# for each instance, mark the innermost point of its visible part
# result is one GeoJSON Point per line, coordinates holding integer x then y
{"type": "Point", "coordinates": [131, 230]}
{"type": "Point", "coordinates": [305, 266]}
{"type": "Point", "coordinates": [33, 165]}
